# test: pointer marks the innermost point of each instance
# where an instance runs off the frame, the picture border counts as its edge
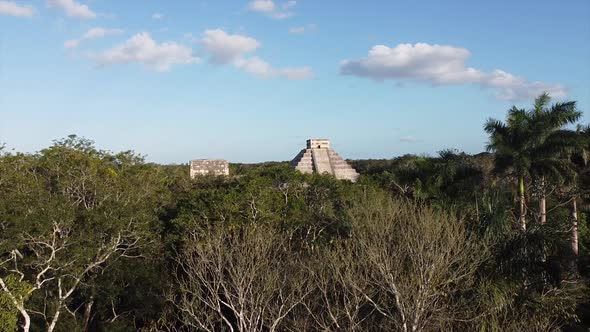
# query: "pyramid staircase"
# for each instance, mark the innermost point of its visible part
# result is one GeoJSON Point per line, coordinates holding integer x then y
{"type": "Point", "coordinates": [319, 158]}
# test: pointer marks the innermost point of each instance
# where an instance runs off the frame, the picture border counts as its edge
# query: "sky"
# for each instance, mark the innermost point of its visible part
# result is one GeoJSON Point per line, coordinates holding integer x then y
{"type": "Point", "coordinates": [250, 81]}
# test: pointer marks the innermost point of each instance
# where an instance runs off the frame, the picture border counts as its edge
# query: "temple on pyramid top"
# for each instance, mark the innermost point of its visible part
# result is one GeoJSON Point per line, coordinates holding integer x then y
{"type": "Point", "coordinates": [318, 143]}
{"type": "Point", "coordinates": [319, 158]}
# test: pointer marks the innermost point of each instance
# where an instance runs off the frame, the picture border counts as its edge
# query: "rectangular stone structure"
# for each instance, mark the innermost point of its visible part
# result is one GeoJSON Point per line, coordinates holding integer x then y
{"type": "Point", "coordinates": [318, 143]}
{"type": "Point", "coordinates": [203, 167]}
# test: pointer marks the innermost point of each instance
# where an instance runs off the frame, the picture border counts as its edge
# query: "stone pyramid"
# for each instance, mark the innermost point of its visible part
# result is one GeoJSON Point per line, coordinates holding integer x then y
{"type": "Point", "coordinates": [319, 158]}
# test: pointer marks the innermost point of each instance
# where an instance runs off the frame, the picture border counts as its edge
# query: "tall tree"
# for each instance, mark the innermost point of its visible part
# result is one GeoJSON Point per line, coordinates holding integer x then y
{"type": "Point", "coordinates": [550, 153]}
{"type": "Point", "coordinates": [531, 144]}
{"type": "Point", "coordinates": [67, 214]}
{"type": "Point", "coordinates": [510, 142]}
{"type": "Point", "coordinates": [581, 183]}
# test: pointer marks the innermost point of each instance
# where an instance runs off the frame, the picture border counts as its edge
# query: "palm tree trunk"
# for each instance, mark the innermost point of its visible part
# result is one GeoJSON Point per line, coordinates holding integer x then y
{"type": "Point", "coordinates": [574, 234]}
{"type": "Point", "coordinates": [543, 202]}
{"type": "Point", "coordinates": [476, 209]}
{"type": "Point", "coordinates": [574, 237]}
{"type": "Point", "coordinates": [522, 218]}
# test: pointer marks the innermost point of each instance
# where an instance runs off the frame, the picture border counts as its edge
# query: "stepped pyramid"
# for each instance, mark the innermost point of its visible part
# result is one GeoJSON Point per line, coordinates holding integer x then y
{"type": "Point", "coordinates": [318, 157]}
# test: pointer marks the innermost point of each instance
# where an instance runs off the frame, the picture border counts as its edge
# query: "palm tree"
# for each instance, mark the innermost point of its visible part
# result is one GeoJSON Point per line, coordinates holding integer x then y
{"type": "Point", "coordinates": [581, 161]}
{"type": "Point", "coordinates": [532, 144]}
{"type": "Point", "coordinates": [510, 143]}
{"type": "Point", "coordinates": [554, 145]}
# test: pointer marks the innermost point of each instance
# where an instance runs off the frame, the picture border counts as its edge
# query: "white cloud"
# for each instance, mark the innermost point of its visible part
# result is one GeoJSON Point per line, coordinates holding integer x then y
{"type": "Point", "coordinates": [281, 15]}
{"type": "Point", "coordinates": [73, 8]}
{"type": "Point", "coordinates": [300, 73]}
{"type": "Point", "coordinates": [297, 30]}
{"type": "Point", "coordinates": [303, 29]}
{"type": "Point", "coordinates": [262, 69]}
{"type": "Point", "coordinates": [142, 49]}
{"type": "Point", "coordinates": [441, 65]}
{"type": "Point", "coordinates": [269, 8]}
{"type": "Point", "coordinates": [11, 8]}
{"type": "Point", "coordinates": [100, 33]}
{"type": "Point", "coordinates": [255, 66]}
{"type": "Point", "coordinates": [93, 33]}
{"type": "Point", "coordinates": [263, 6]}
{"type": "Point", "coordinates": [157, 16]}
{"type": "Point", "coordinates": [225, 48]}
{"type": "Point", "coordinates": [71, 43]}
{"type": "Point", "coordinates": [289, 4]}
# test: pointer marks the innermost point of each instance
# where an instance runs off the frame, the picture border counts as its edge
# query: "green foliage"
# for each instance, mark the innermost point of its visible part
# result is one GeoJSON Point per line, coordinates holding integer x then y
{"type": "Point", "coordinates": [532, 143]}
{"type": "Point", "coordinates": [450, 213]}
{"type": "Point", "coordinates": [8, 312]}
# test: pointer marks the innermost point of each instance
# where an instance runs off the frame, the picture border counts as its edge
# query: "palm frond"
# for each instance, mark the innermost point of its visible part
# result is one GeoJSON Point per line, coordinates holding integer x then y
{"type": "Point", "coordinates": [542, 101]}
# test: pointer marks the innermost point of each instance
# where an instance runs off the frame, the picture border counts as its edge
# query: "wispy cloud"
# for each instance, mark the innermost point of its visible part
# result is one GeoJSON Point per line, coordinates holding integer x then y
{"type": "Point", "coordinates": [263, 6]}
{"type": "Point", "coordinates": [93, 33]}
{"type": "Point", "coordinates": [224, 48]}
{"type": "Point", "coordinates": [271, 9]}
{"type": "Point", "coordinates": [442, 65]}
{"type": "Point", "coordinates": [303, 29]}
{"type": "Point", "coordinates": [297, 30]}
{"type": "Point", "coordinates": [262, 69]}
{"type": "Point", "coordinates": [157, 16]}
{"type": "Point", "coordinates": [72, 8]}
{"type": "Point", "coordinates": [12, 8]}
{"type": "Point", "coordinates": [144, 50]}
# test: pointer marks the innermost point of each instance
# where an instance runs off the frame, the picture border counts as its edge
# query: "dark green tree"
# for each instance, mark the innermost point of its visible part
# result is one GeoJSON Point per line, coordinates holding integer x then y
{"type": "Point", "coordinates": [532, 144]}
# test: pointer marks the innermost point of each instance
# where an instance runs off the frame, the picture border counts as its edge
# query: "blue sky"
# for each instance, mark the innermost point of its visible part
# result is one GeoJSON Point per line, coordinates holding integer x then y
{"type": "Point", "coordinates": [249, 81]}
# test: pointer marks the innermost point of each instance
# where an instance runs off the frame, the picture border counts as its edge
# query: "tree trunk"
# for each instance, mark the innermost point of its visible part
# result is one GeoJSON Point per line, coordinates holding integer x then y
{"type": "Point", "coordinates": [27, 323]}
{"type": "Point", "coordinates": [543, 202]}
{"type": "Point", "coordinates": [51, 326]}
{"type": "Point", "coordinates": [574, 234]}
{"type": "Point", "coordinates": [522, 218]}
{"type": "Point", "coordinates": [87, 314]}
{"type": "Point", "coordinates": [476, 209]}
{"type": "Point", "coordinates": [573, 260]}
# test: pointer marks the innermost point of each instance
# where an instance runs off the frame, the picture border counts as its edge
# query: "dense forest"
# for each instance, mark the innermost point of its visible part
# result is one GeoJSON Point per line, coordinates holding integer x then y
{"type": "Point", "coordinates": [92, 240]}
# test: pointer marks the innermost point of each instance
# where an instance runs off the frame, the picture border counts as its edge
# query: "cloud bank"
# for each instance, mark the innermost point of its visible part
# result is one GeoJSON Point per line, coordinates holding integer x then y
{"type": "Point", "coordinates": [220, 48]}
{"type": "Point", "coordinates": [11, 8]}
{"type": "Point", "coordinates": [142, 49]}
{"type": "Point", "coordinates": [442, 65]}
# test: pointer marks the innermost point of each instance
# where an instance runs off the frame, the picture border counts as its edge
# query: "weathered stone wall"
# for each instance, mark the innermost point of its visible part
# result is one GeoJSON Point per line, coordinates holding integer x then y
{"type": "Point", "coordinates": [216, 167]}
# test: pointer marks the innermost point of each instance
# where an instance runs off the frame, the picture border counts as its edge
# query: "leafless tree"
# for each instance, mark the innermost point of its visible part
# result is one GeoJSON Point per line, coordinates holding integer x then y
{"type": "Point", "coordinates": [339, 285]}
{"type": "Point", "coordinates": [399, 269]}
{"type": "Point", "coordinates": [238, 279]}
{"type": "Point", "coordinates": [418, 258]}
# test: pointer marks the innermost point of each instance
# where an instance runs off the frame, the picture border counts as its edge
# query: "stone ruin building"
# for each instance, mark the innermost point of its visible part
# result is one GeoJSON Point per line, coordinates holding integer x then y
{"type": "Point", "coordinates": [216, 167]}
{"type": "Point", "coordinates": [319, 158]}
